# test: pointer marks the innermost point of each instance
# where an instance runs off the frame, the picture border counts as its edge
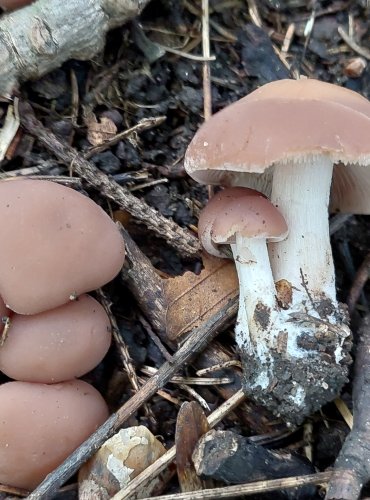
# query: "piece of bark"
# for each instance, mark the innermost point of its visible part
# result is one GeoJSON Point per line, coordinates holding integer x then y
{"type": "Point", "coordinates": [233, 459]}
{"type": "Point", "coordinates": [40, 37]}
{"type": "Point", "coordinates": [121, 458]}
{"type": "Point", "coordinates": [352, 467]}
{"type": "Point", "coordinates": [191, 425]}
{"type": "Point", "coordinates": [179, 238]}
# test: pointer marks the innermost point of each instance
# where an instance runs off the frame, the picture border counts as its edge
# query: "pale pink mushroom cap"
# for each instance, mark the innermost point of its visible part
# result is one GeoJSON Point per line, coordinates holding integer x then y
{"type": "Point", "coordinates": [14, 4]}
{"type": "Point", "coordinates": [239, 210]}
{"type": "Point", "coordinates": [56, 345]}
{"type": "Point", "coordinates": [289, 120]}
{"type": "Point", "coordinates": [40, 425]}
{"type": "Point", "coordinates": [55, 245]}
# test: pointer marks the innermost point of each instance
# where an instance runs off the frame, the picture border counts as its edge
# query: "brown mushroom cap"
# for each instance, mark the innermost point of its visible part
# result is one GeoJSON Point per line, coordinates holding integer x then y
{"type": "Point", "coordinates": [40, 425]}
{"type": "Point", "coordinates": [56, 345]}
{"type": "Point", "coordinates": [14, 4]}
{"type": "Point", "coordinates": [239, 210]}
{"type": "Point", "coordinates": [288, 119]}
{"type": "Point", "coordinates": [56, 245]}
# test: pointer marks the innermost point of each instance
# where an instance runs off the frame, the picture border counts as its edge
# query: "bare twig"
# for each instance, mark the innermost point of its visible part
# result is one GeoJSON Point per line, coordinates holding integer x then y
{"type": "Point", "coordinates": [40, 37]}
{"type": "Point", "coordinates": [207, 104]}
{"type": "Point", "coordinates": [144, 124]}
{"type": "Point", "coordinates": [179, 238]}
{"type": "Point", "coordinates": [352, 467]}
{"type": "Point", "coordinates": [240, 490]}
{"type": "Point", "coordinates": [193, 345]}
{"type": "Point", "coordinates": [120, 343]}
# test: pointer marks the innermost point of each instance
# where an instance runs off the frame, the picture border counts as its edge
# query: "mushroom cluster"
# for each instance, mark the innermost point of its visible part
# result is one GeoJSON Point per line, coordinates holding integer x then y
{"type": "Point", "coordinates": [305, 145]}
{"type": "Point", "coordinates": [56, 245]}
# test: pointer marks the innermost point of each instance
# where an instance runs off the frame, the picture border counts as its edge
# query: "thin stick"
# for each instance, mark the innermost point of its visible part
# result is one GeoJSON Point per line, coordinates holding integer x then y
{"type": "Point", "coordinates": [207, 92]}
{"type": "Point", "coordinates": [207, 96]}
{"type": "Point", "coordinates": [143, 124]}
{"type": "Point", "coordinates": [176, 236]}
{"type": "Point", "coordinates": [195, 343]}
{"type": "Point", "coordinates": [139, 482]}
{"type": "Point", "coordinates": [249, 489]}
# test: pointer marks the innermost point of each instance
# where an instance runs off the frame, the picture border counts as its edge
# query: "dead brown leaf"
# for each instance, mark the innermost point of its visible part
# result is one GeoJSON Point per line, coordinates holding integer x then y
{"type": "Point", "coordinates": [191, 299]}
{"type": "Point", "coordinates": [99, 132]}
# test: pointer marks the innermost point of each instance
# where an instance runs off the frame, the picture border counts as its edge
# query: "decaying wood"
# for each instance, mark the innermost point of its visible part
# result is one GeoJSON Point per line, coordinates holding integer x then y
{"type": "Point", "coordinates": [195, 343]}
{"type": "Point", "coordinates": [40, 37]}
{"type": "Point", "coordinates": [121, 458]}
{"type": "Point", "coordinates": [352, 467]}
{"type": "Point", "coordinates": [181, 239]}
{"type": "Point", "coordinates": [234, 459]}
{"type": "Point", "coordinates": [191, 425]}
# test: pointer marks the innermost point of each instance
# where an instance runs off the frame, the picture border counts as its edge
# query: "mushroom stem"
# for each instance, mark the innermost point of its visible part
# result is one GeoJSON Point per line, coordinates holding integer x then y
{"type": "Point", "coordinates": [301, 190]}
{"type": "Point", "coordinates": [257, 305]}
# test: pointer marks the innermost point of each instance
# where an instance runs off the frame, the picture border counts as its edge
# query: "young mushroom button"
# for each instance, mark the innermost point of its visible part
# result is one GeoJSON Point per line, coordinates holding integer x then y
{"type": "Point", "coordinates": [245, 219]}
{"type": "Point", "coordinates": [55, 245]}
{"type": "Point", "coordinates": [40, 425]}
{"type": "Point", "coordinates": [56, 345]}
{"type": "Point", "coordinates": [284, 139]}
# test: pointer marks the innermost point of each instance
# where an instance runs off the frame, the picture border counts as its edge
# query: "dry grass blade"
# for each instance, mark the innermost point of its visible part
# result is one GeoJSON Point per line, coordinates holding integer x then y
{"type": "Point", "coordinates": [249, 489]}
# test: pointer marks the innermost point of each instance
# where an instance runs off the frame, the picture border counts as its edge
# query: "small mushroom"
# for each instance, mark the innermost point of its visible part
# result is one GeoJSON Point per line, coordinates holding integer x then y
{"type": "Point", "coordinates": [55, 245]}
{"type": "Point", "coordinates": [245, 220]}
{"type": "Point", "coordinates": [284, 139]}
{"type": "Point", "coordinates": [40, 425]}
{"type": "Point", "coordinates": [56, 345]}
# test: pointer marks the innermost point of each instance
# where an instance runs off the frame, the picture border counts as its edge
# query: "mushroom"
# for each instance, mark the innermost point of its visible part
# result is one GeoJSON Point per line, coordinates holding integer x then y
{"type": "Point", "coordinates": [245, 219]}
{"type": "Point", "coordinates": [293, 132]}
{"type": "Point", "coordinates": [55, 245]}
{"type": "Point", "coordinates": [14, 4]}
{"type": "Point", "coordinates": [40, 425]}
{"type": "Point", "coordinates": [56, 345]}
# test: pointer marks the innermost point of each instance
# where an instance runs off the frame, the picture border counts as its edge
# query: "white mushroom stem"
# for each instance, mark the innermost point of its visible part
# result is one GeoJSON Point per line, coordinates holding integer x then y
{"type": "Point", "coordinates": [301, 191]}
{"type": "Point", "coordinates": [257, 302]}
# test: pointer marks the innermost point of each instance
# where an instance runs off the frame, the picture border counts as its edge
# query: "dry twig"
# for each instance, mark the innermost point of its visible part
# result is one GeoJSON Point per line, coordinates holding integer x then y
{"type": "Point", "coordinates": [194, 344]}
{"type": "Point", "coordinates": [249, 489]}
{"type": "Point", "coordinates": [179, 238]}
{"type": "Point", "coordinates": [352, 467]}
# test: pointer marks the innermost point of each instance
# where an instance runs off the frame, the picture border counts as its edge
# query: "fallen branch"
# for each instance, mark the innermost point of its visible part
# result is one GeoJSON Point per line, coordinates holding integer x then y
{"type": "Point", "coordinates": [195, 343]}
{"type": "Point", "coordinates": [181, 239]}
{"type": "Point", "coordinates": [40, 37]}
{"type": "Point", "coordinates": [352, 467]}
